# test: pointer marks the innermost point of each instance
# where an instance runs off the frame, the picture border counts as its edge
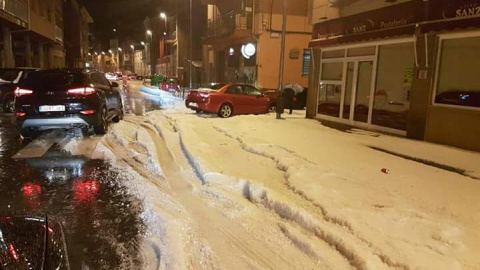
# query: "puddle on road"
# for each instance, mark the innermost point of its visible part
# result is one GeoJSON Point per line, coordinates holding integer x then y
{"type": "Point", "coordinates": [102, 222]}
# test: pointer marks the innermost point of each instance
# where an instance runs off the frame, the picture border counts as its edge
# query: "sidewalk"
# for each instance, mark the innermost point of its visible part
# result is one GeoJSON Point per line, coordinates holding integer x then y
{"type": "Point", "coordinates": [379, 199]}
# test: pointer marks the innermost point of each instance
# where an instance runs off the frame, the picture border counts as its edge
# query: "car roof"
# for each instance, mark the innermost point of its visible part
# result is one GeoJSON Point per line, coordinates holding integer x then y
{"type": "Point", "coordinates": [21, 69]}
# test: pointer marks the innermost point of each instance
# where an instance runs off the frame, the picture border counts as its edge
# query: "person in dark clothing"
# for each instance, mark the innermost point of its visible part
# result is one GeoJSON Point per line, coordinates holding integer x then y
{"type": "Point", "coordinates": [289, 95]}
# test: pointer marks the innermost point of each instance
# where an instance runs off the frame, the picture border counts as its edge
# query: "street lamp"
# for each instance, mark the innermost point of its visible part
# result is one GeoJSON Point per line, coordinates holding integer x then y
{"type": "Point", "coordinates": [143, 43]}
{"type": "Point", "coordinates": [110, 51]}
{"type": "Point", "coordinates": [133, 47]}
{"type": "Point", "coordinates": [120, 49]}
{"type": "Point", "coordinates": [163, 15]}
{"type": "Point", "coordinates": [114, 29]}
{"type": "Point", "coordinates": [149, 32]}
{"type": "Point", "coordinates": [103, 53]}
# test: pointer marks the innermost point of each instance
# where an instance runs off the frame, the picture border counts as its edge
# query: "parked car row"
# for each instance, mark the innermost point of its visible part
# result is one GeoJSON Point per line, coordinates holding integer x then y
{"type": "Point", "coordinates": [60, 98]}
{"type": "Point", "coordinates": [231, 99]}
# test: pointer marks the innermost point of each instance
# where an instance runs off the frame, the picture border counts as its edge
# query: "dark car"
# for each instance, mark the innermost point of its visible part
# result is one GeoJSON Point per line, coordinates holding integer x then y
{"type": "Point", "coordinates": [67, 98]}
{"type": "Point", "coordinates": [299, 100]}
{"type": "Point", "coordinates": [28, 242]}
{"type": "Point", "coordinates": [9, 79]}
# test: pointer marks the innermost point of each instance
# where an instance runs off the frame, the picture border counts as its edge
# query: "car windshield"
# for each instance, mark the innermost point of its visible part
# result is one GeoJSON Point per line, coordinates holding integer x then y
{"type": "Point", "coordinates": [53, 79]}
{"type": "Point", "coordinates": [173, 80]}
{"type": "Point", "coordinates": [8, 75]}
{"type": "Point", "coordinates": [214, 86]}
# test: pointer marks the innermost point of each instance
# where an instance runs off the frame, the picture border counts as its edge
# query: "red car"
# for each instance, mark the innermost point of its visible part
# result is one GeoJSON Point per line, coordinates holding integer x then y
{"type": "Point", "coordinates": [170, 84]}
{"type": "Point", "coordinates": [227, 100]}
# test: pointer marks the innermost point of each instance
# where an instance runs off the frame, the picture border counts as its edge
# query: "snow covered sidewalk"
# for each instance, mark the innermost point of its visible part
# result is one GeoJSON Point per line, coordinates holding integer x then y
{"type": "Point", "coordinates": [252, 192]}
{"type": "Point", "coordinates": [423, 214]}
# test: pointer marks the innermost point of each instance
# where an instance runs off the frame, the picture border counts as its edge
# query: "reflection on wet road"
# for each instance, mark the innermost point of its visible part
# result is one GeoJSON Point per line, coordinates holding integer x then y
{"type": "Point", "coordinates": [102, 222]}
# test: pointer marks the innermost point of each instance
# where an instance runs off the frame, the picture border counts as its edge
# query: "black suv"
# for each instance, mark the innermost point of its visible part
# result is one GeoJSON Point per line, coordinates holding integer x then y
{"type": "Point", "coordinates": [9, 79]}
{"type": "Point", "coordinates": [66, 98]}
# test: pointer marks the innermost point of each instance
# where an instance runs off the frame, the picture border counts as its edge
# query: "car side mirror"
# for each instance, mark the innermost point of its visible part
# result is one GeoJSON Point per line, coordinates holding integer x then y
{"type": "Point", "coordinates": [114, 84]}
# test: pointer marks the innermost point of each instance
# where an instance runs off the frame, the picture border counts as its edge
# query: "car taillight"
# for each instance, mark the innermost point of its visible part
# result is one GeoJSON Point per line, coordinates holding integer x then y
{"type": "Point", "coordinates": [84, 91]}
{"type": "Point", "coordinates": [22, 92]}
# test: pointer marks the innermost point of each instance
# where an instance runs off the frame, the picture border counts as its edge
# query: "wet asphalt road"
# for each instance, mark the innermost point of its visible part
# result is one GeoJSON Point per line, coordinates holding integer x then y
{"type": "Point", "coordinates": [101, 220]}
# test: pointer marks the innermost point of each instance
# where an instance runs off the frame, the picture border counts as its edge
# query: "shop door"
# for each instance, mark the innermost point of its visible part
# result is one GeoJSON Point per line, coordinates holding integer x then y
{"type": "Point", "coordinates": [358, 85]}
{"type": "Point", "coordinates": [362, 93]}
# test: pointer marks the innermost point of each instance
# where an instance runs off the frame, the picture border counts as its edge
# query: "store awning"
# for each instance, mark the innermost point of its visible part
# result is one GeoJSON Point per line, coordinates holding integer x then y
{"type": "Point", "coordinates": [390, 21]}
{"type": "Point", "coordinates": [408, 30]}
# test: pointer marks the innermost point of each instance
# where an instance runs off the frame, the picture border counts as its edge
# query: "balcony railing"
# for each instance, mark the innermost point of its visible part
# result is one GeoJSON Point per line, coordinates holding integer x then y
{"type": "Point", "coordinates": [16, 8]}
{"type": "Point", "coordinates": [58, 33]}
{"type": "Point", "coordinates": [226, 25]}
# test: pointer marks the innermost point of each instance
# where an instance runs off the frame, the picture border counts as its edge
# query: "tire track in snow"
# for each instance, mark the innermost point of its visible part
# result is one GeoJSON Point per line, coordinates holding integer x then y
{"type": "Point", "coordinates": [239, 242]}
{"type": "Point", "coordinates": [343, 248]}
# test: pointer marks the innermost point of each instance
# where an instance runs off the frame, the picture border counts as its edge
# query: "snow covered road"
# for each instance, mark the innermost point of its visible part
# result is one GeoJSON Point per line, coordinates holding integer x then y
{"type": "Point", "coordinates": [252, 192]}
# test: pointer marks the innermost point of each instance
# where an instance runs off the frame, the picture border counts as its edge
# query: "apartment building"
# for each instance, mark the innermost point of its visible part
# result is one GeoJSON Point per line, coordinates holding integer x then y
{"type": "Point", "coordinates": [243, 42]}
{"type": "Point", "coordinates": [77, 31]}
{"type": "Point", "coordinates": [407, 67]}
{"type": "Point", "coordinates": [31, 35]}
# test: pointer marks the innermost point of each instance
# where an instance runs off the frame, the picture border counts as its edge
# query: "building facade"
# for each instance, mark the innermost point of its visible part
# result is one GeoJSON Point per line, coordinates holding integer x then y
{"type": "Point", "coordinates": [403, 67]}
{"type": "Point", "coordinates": [32, 33]}
{"type": "Point", "coordinates": [77, 31]}
{"type": "Point", "coordinates": [243, 42]}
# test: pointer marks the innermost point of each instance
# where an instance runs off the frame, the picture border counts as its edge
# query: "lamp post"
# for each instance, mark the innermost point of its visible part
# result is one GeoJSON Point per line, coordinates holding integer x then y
{"type": "Point", "coordinates": [282, 60]}
{"type": "Point", "coordinates": [191, 45]}
{"type": "Point", "coordinates": [150, 34]}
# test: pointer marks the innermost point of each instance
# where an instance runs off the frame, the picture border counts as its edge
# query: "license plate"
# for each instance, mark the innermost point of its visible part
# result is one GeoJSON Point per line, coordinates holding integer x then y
{"type": "Point", "coordinates": [55, 108]}
{"type": "Point", "coordinates": [193, 104]}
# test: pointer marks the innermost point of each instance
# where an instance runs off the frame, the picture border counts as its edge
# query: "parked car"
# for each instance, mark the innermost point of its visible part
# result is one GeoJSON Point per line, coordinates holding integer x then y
{"type": "Point", "coordinates": [30, 242]}
{"type": "Point", "coordinates": [67, 98]}
{"type": "Point", "coordinates": [111, 76]}
{"type": "Point", "coordinates": [299, 100]}
{"type": "Point", "coordinates": [132, 77]}
{"type": "Point", "coordinates": [227, 100]}
{"type": "Point", "coordinates": [139, 77]}
{"type": "Point", "coordinates": [9, 79]}
{"type": "Point", "coordinates": [170, 84]}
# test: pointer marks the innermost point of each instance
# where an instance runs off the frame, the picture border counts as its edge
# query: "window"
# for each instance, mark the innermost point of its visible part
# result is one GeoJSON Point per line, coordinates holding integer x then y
{"type": "Point", "coordinates": [98, 79]}
{"type": "Point", "coordinates": [333, 54]}
{"type": "Point", "coordinates": [234, 89]}
{"type": "Point", "coordinates": [251, 91]}
{"type": "Point", "coordinates": [362, 51]}
{"type": "Point", "coordinates": [457, 76]}
{"type": "Point", "coordinates": [332, 71]}
{"type": "Point", "coordinates": [306, 63]}
{"type": "Point", "coordinates": [393, 85]}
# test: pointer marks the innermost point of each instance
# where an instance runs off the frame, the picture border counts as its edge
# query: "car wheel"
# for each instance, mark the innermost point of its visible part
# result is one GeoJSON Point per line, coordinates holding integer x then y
{"type": "Point", "coordinates": [226, 111]}
{"type": "Point", "coordinates": [27, 133]}
{"type": "Point", "coordinates": [101, 127]}
{"type": "Point", "coordinates": [9, 105]}
{"type": "Point", "coordinates": [198, 111]}
{"type": "Point", "coordinates": [120, 114]}
{"type": "Point", "coordinates": [272, 108]}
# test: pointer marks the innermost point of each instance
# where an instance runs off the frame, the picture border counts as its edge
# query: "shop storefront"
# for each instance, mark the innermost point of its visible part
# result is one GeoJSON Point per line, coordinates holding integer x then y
{"type": "Point", "coordinates": [409, 69]}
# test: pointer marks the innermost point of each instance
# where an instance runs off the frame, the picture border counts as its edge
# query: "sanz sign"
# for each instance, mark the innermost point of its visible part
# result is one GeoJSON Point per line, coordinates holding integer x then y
{"type": "Point", "coordinates": [447, 9]}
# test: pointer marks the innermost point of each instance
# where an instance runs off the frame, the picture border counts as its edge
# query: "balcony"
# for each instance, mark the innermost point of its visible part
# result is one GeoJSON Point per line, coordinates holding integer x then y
{"type": "Point", "coordinates": [16, 8]}
{"type": "Point", "coordinates": [59, 34]}
{"type": "Point", "coordinates": [228, 25]}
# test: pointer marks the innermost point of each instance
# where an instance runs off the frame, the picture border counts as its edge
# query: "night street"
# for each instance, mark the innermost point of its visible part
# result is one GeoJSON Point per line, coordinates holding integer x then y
{"type": "Point", "coordinates": [239, 134]}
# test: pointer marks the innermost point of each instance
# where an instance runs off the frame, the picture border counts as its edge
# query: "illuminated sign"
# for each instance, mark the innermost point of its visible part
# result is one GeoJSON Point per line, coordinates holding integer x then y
{"type": "Point", "coordinates": [249, 50]}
